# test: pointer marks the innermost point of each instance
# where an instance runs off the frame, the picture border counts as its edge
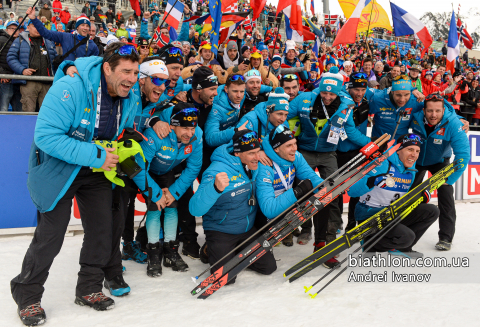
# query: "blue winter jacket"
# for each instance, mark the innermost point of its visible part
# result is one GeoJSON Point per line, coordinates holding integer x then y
{"type": "Point", "coordinates": [386, 113]}
{"type": "Point", "coordinates": [253, 117]}
{"type": "Point", "coordinates": [64, 131]}
{"type": "Point", "coordinates": [447, 136]}
{"type": "Point", "coordinates": [67, 41]}
{"type": "Point", "coordinates": [164, 155]}
{"type": "Point", "coordinates": [403, 177]}
{"type": "Point", "coordinates": [184, 33]}
{"type": "Point", "coordinates": [267, 181]}
{"type": "Point", "coordinates": [229, 211]}
{"type": "Point", "coordinates": [308, 139]}
{"type": "Point", "coordinates": [348, 145]}
{"type": "Point", "coordinates": [223, 118]}
{"type": "Point", "coordinates": [144, 29]}
{"type": "Point", "coordinates": [18, 56]}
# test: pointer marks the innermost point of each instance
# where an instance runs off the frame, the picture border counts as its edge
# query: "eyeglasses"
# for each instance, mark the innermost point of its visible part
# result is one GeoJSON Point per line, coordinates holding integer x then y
{"type": "Point", "coordinates": [248, 137]}
{"type": "Point", "coordinates": [157, 80]}
{"type": "Point", "coordinates": [144, 47]}
{"type": "Point", "coordinates": [235, 78]}
{"type": "Point", "coordinates": [125, 50]}
{"type": "Point", "coordinates": [434, 96]}
{"type": "Point", "coordinates": [401, 77]}
{"type": "Point", "coordinates": [289, 76]}
{"type": "Point", "coordinates": [252, 72]}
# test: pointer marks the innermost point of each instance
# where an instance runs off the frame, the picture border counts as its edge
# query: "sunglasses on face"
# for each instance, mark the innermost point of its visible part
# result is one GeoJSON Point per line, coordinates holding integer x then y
{"type": "Point", "coordinates": [157, 80]}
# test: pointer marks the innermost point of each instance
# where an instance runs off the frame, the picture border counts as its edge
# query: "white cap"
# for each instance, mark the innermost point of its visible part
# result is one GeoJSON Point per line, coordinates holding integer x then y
{"type": "Point", "coordinates": [290, 45]}
{"type": "Point", "coordinates": [347, 63]}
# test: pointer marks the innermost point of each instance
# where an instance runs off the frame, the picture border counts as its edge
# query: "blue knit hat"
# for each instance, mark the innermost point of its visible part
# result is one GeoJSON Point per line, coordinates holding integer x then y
{"type": "Point", "coordinates": [330, 60]}
{"type": "Point", "coordinates": [276, 57]}
{"type": "Point", "coordinates": [82, 20]}
{"type": "Point", "coordinates": [331, 81]}
{"type": "Point", "coordinates": [278, 98]}
{"type": "Point", "coordinates": [402, 85]}
{"type": "Point", "coordinates": [262, 46]}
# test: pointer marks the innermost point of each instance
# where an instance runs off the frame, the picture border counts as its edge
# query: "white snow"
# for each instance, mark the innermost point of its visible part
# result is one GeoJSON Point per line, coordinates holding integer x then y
{"type": "Point", "coordinates": [256, 300]}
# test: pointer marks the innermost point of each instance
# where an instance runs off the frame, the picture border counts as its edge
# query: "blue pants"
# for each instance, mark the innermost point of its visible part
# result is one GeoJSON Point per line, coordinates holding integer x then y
{"type": "Point", "coordinates": [170, 223]}
{"type": "Point", "coordinates": [10, 94]}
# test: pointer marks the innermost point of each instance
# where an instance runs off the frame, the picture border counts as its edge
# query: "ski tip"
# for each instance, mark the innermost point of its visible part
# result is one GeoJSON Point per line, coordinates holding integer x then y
{"type": "Point", "coordinates": [307, 288]}
{"type": "Point", "coordinates": [284, 275]}
{"type": "Point", "coordinates": [195, 280]}
{"type": "Point", "coordinates": [312, 296]}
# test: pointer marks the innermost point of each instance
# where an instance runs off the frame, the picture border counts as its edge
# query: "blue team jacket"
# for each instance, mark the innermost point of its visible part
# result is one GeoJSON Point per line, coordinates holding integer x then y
{"type": "Point", "coordinates": [308, 139]}
{"type": "Point", "coordinates": [447, 136]}
{"type": "Point", "coordinates": [228, 212]}
{"type": "Point", "coordinates": [258, 113]}
{"type": "Point", "coordinates": [64, 131]}
{"type": "Point", "coordinates": [267, 182]}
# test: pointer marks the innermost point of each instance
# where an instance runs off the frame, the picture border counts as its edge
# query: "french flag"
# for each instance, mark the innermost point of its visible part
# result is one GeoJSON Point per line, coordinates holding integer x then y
{"type": "Point", "coordinates": [453, 45]}
{"type": "Point", "coordinates": [348, 32]}
{"type": "Point", "coordinates": [175, 15]}
{"type": "Point", "coordinates": [292, 9]}
{"type": "Point", "coordinates": [405, 23]}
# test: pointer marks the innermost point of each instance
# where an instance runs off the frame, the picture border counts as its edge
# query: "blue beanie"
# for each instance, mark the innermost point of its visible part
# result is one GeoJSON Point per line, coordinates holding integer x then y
{"type": "Point", "coordinates": [402, 85]}
{"type": "Point", "coordinates": [262, 46]}
{"type": "Point", "coordinates": [331, 81]}
{"type": "Point", "coordinates": [276, 57]}
{"type": "Point", "coordinates": [82, 20]}
{"type": "Point", "coordinates": [278, 98]}
{"type": "Point", "coordinates": [330, 60]}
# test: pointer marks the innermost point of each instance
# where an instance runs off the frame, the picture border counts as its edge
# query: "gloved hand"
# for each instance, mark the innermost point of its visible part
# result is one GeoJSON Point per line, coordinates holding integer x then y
{"type": "Point", "coordinates": [302, 188]}
{"type": "Point", "coordinates": [371, 180]}
{"type": "Point", "coordinates": [426, 196]}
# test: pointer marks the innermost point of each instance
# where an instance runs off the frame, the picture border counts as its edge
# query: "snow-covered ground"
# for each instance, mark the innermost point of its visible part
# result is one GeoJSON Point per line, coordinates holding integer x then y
{"type": "Point", "coordinates": [256, 300]}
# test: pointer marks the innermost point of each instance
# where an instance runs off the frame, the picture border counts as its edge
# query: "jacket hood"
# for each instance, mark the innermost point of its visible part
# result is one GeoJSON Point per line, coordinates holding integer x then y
{"type": "Point", "coordinates": [267, 147]}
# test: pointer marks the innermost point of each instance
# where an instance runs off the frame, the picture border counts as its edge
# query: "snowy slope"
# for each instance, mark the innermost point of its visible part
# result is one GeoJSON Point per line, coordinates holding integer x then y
{"type": "Point", "coordinates": [437, 23]}
{"type": "Point", "coordinates": [256, 300]}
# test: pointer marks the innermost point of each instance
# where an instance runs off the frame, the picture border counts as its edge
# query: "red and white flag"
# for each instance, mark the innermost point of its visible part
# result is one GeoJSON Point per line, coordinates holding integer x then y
{"type": "Point", "coordinates": [160, 39]}
{"type": "Point", "coordinates": [463, 35]}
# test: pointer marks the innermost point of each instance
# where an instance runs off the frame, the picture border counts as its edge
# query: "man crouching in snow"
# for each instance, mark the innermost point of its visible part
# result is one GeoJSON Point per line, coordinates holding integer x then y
{"type": "Point", "coordinates": [226, 200]}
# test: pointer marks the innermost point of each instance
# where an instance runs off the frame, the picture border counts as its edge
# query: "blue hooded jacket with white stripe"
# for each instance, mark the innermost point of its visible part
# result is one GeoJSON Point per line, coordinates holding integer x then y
{"type": "Point", "coordinates": [253, 117]}
{"type": "Point", "coordinates": [163, 155]}
{"type": "Point", "coordinates": [223, 118]}
{"type": "Point", "coordinates": [437, 146]}
{"type": "Point", "coordinates": [267, 181]}
{"type": "Point", "coordinates": [229, 211]}
{"type": "Point", "coordinates": [308, 139]}
{"type": "Point", "coordinates": [64, 131]}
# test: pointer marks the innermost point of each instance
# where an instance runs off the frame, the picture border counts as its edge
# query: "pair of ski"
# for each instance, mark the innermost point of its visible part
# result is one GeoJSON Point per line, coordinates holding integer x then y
{"type": "Point", "coordinates": [332, 187]}
{"type": "Point", "coordinates": [377, 226]}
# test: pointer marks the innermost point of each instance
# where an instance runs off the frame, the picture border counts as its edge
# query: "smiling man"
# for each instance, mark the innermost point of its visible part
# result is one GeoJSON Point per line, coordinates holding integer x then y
{"type": "Point", "coordinates": [95, 105]}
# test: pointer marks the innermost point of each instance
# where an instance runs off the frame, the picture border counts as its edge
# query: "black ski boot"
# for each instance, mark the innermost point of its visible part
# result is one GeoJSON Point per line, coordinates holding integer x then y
{"type": "Point", "coordinates": [32, 315]}
{"type": "Point", "coordinates": [288, 241]}
{"type": "Point", "coordinates": [97, 301]}
{"type": "Point", "coordinates": [204, 254]}
{"type": "Point", "coordinates": [330, 263]}
{"type": "Point", "coordinates": [191, 249]}
{"type": "Point", "coordinates": [117, 286]}
{"type": "Point", "coordinates": [154, 260]}
{"type": "Point", "coordinates": [171, 258]}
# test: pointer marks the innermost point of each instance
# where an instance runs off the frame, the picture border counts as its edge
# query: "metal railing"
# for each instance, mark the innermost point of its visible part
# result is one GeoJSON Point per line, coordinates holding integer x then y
{"type": "Point", "coordinates": [27, 78]}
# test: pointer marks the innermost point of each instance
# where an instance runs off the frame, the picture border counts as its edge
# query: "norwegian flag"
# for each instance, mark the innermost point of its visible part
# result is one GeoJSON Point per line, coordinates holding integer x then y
{"type": "Point", "coordinates": [160, 39]}
{"type": "Point", "coordinates": [247, 24]}
{"type": "Point", "coordinates": [463, 35]}
{"type": "Point", "coordinates": [331, 19]}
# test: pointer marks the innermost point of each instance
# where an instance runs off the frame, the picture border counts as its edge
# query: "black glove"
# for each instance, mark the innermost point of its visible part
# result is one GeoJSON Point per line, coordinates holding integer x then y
{"type": "Point", "coordinates": [302, 188]}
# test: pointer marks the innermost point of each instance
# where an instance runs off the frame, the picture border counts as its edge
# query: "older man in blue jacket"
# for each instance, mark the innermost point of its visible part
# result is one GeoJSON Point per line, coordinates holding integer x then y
{"type": "Point", "coordinates": [442, 134]}
{"type": "Point", "coordinates": [226, 199]}
{"type": "Point", "coordinates": [76, 116]}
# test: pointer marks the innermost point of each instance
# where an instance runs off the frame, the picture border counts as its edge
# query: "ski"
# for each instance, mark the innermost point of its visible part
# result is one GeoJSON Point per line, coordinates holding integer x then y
{"type": "Point", "coordinates": [296, 213]}
{"type": "Point", "coordinates": [370, 225]}
{"type": "Point", "coordinates": [306, 214]}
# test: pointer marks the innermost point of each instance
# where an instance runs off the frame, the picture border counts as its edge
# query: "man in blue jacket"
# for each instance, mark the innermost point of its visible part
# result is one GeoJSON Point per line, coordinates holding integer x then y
{"type": "Point", "coordinates": [441, 130]}
{"type": "Point", "coordinates": [275, 182]}
{"type": "Point", "coordinates": [184, 143]}
{"type": "Point", "coordinates": [387, 183]}
{"type": "Point", "coordinates": [67, 40]}
{"type": "Point", "coordinates": [325, 117]}
{"type": "Point", "coordinates": [346, 149]}
{"type": "Point", "coordinates": [95, 105]}
{"type": "Point", "coordinates": [226, 199]}
{"type": "Point", "coordinates": [32, 55]}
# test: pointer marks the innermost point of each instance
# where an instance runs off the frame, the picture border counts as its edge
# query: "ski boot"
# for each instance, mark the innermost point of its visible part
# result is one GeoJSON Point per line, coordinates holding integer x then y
{"type": "Point", "coordinates": [171, 258]}
{"type": "Point", "coordinates": [117, 286]}
{"type": "Point", "coordinates": [154, 260]}
{"type": "Point", "coordinates": [191, 249]}
{"type": "Point", "coordinates": [443, 245]}
{"type": "Point", "coordinates": [288, 241]}
{"type": "Point", "coordinates": [32, 315]}
{"type": "Point", "coordinates": [97, 301]}
{"type": "Point", "coordinates": [204, 254]}
{"type": "Point", "coordinates": [305, 236]}
{"type": "Point", "coordinates": [330, 263]}
{"type": "Point", "coordinates": [131, 251]}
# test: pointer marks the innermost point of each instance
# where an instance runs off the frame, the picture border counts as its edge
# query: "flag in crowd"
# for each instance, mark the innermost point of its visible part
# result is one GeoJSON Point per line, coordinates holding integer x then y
{"type": "Point", "coordinates": [453, 45]}
{"type": "Point", "coordinates": [463, 35]}
{"type": "Point", "coordinates": [173, 13]}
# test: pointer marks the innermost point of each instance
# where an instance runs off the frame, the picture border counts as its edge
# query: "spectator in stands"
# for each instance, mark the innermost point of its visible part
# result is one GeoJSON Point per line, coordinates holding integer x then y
{"type": "Point", "coordinates": [121, 31]}
{"type": "Point", "coordinates": [66, 40]}
{"type": "Point", "coordinates": [110, 16]}
{"type": "Point", "coordinates": [386, 82]}
{"type": "Point", "coordinates": [46, 12]}
{"type": "Point", "coordinates": [367, 69]}
{"type": "Point", "coordinates": [70, 26]}
{"type": "Point", "coordinates": [65, 15]}
{"type": "Point", "coordinates": [119, 19]}
{"type": "Point", "coordinates": [32, 57]}
{"type": "Point", "coordinates": [96, 39]}
{"type": "Point", "coordinates": [86, 10]}
{"type": "Point", "coordinates": [97, 14]}
{"type": "Point", "coordinates": [378, 70]}
{"type": "Point", "coordinates": [131, 23]}
{"type": "Point", "coordinates": [42, 2]}
{"type": "Point", "coordinates": [3, 13]}
{"type": "Point", "coordinates": [9, 91]}
{"type": "Point", "coordinates": [57, 6]}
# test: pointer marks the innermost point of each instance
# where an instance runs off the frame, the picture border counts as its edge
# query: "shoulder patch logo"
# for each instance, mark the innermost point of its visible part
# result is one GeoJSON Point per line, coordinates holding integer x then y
{"type": "Point", "coordinates": [441, 131]}
{"type": "Point", "coordinates": [66, 95]}
{"type": "Point", "coordinates": [188, 149]}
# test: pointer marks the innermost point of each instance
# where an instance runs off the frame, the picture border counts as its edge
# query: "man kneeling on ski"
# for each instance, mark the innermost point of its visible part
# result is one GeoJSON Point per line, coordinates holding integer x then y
{"type": "Point", "coordinates": [226, 200]}
{"type": "Point", "coordinates": [387, 183]}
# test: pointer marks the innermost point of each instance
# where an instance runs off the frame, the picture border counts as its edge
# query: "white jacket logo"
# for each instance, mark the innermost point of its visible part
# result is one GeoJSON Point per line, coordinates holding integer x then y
{"type": "Point", "coordinates": [163, 156]}
{"type": "Point", "coordinates": [84, 122]}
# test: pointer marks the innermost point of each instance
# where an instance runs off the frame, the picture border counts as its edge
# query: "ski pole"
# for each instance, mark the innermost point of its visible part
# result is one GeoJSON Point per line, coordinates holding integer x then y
{"type": "Point", "coordinates": [402, 112]}
{"type": "Point", "coordinates": [19, 25]}
{"type": "Point", "coordinates": [379, 142]}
